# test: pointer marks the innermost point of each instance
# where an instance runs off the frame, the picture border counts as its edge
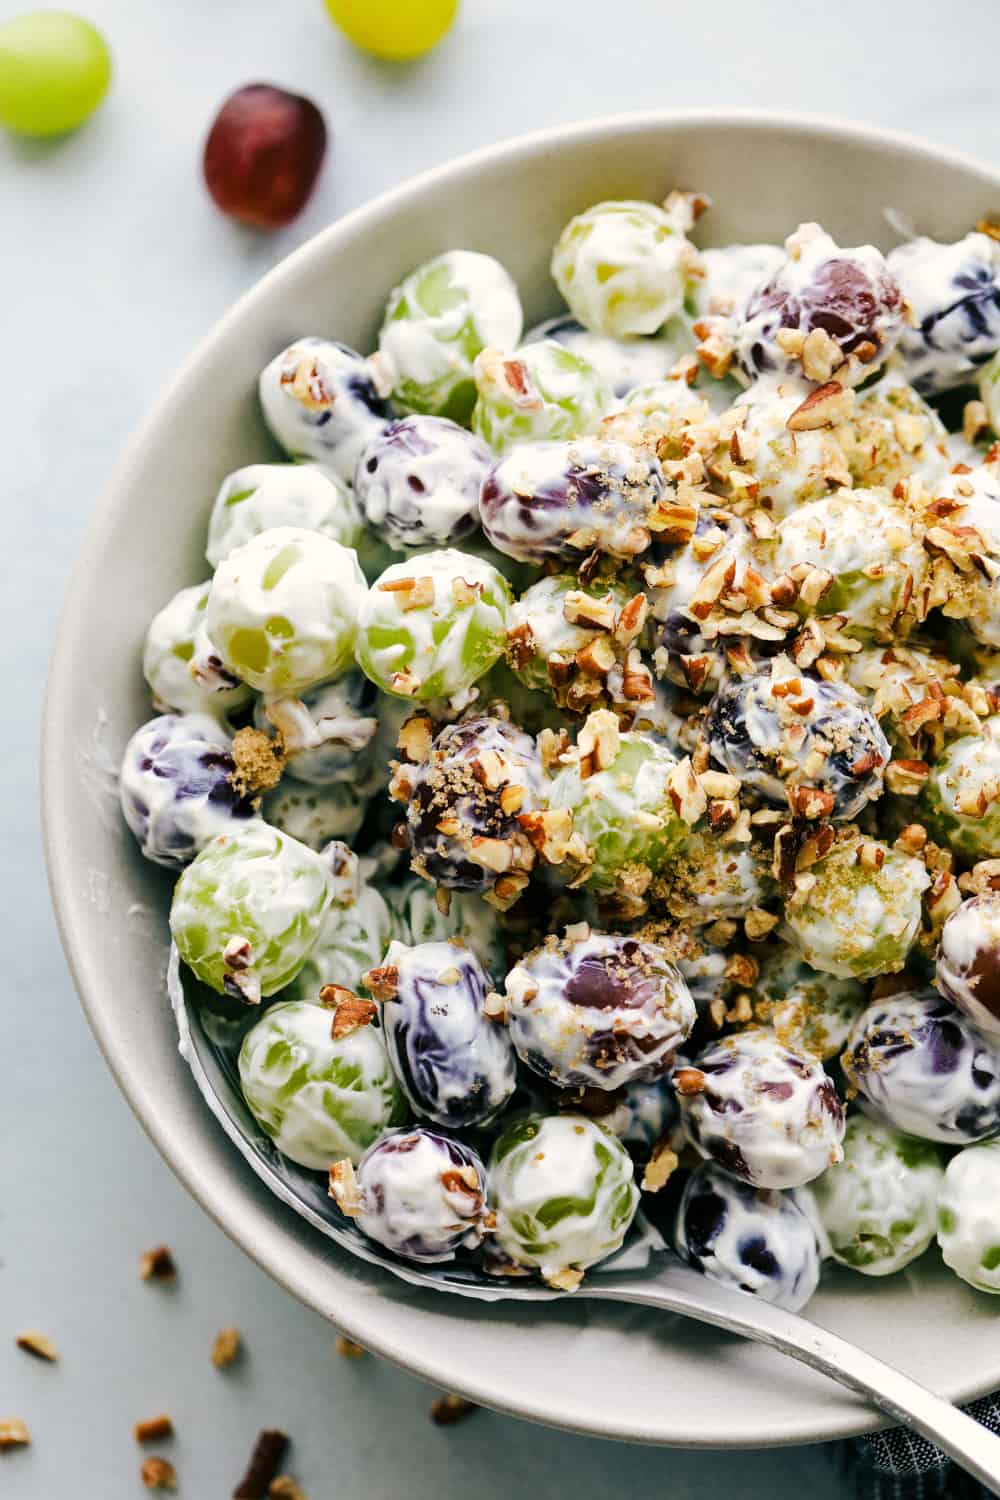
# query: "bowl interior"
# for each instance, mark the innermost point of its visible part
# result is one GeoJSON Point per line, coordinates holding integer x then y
{"type": "Point", "coordinates": [765, 176]}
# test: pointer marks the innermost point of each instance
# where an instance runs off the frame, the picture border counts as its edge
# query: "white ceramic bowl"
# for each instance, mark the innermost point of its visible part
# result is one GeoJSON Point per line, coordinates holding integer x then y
{"type": "Point", "coordinates": [617, 1372]}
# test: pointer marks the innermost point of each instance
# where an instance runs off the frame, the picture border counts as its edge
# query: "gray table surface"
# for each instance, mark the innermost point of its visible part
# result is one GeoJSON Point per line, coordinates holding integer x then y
{"type": "Point", "coordinates": [114, 264]}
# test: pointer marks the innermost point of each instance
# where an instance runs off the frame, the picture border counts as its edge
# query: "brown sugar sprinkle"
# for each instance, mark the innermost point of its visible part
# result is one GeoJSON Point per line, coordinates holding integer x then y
{"type": "Point", "coordinates": [348, 1349]}
{"type": "Point", "coordinates": [13, 1434]}
{"type": "Point", "coordinates": [226, 1348]}
{"type": "Point", "coordinates": [38, 1344]}
{"type": "Point", "coordinates": [265, 1461]}
{"type": "Point", "coordinates": [260, 761]}
{"type": "Point", "coordinates": [157, 1265]}
{"type": "Point", "coordinates": [158, 1474]}
{"type": "Point", "coordinates": [447, 1410]}
{"type": "Point", "coordinates": [154, 1430]}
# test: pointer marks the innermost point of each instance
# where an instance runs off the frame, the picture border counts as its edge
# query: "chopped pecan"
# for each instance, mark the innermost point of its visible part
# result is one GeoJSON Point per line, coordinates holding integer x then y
{"type": "Point", "coordinates": [821, 355]}
{"type": "Point", "coordinates": [674, 522]}
{"type": "Point", "coordinates": [382, 982]}
{"type": "Point", "coordinates": [154, 1429]}
{"type": "Point", "coordinates": [226, 1348]}
{"type": "Point", "coordinates": [13, 1433]}
{"type": "Point", "coordinates": [826, 406]}
{"type": "Point", "coordinates": [449, 1409]}
{"type": "Point", "coordinates": [629, 624]}
{"type": "Point", "coordinates": [974, 801]}
{"type": "Point", "coordinates": [696, 670]}
{"type": "Point", "coordinates": [686, 792]}
{"type": "Point", "coordinates": [597, 657]}
{"type": "Point", "coordinates": [583, 609]}
{"type": "Point", "coordinates": [871, 854]}
{"type": "Point", "coordinates": [343, 1188]}
{"type": "Point", "coordinates": [415, 738]}
{"type": "Point", "coordinates": [38, 1344]}
{"type": "Point", "coordinates": [491, 854]}
{"type": "Point", "coordinates": [912, 839]}
{"type": "Point", "coordinates": [549, 832]}
{"type": "Point", "coordinates": [551, 746]}
{"type": "Point", "coordinates": [351, 1015]}
{"type": "Point", "coordinates": [810, 802]}
{"type": "Point", "coordinates": [348, 1349]}
{"type": "Point", "coordinates": [462, 591]}
{"type": "Point", "coordinates": [521, 646]}
{"type": "Point", "coordinates": [157, 1265]}
{"type": "Point", "coordinates": [599, 742]}
{"type": "Point", "coordinates": [158, 1474]}
{"type": "Point", "coordinates": [984, 876]}
{"type": "Point", "coordinates": [507, 890]}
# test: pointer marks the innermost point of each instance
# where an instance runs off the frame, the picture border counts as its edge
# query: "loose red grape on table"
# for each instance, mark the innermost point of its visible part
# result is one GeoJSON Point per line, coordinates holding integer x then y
{"type": "Point", "coordinates": [263, 155]}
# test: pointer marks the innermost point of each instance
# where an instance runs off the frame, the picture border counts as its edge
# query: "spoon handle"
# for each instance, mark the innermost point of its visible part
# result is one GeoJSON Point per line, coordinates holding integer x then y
{"type": "Point", "coordinates": [682, 1290]}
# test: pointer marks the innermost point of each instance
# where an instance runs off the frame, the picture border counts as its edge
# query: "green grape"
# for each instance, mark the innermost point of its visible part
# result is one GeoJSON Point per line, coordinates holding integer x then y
{"type": "Point", "coordinates": [177, 660]}
{"type": "Point", "coordinates": [54, 71]}
{"type": "Point", "coordinates": [861, 915]}
{"type": "Point", "coordinates": [989, 390]}
{"type": "Point", "coordinates": [959, 806]}
{"type": "Point", "coordinates": [261, 497]}
{"type": "Point", "coordinates": [319, 1097]}
{"type": "Point", "coordinates": [540, 633]}
{"type": "Point", "coordinates": [396, 29]}
{"type": "Point", "coordinates": [248, 911]}
{"type": "Point", "coordinates": [353, 939]}
{"type": "Point", "coordinates": [879, 1205]}
{"type": "Point", "coordinates": [623, 267]}
{"type": "Point", "coordinates": [437, 321]}
{"type": "Point", "coordinates": [563, 1192]}
{"type": "Point", "coordinates": [433, 625]}
{"type": "Point", "coordinates": [865, 540]}
{"type": "Point", "coordinates": [282, 610]}
{"type": "Point", "coordinates": [541, 391]}
{"type": "Point", "coordinates": [624, 812]}
{"type": "Point", "coordinates": [417, 918]}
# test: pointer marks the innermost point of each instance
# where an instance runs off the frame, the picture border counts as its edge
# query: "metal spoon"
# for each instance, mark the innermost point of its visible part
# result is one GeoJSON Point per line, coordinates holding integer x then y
{"type": "Point", "coordinates": [664, 1283]}
{"type": "Point", "coordinates": [678, 1289]}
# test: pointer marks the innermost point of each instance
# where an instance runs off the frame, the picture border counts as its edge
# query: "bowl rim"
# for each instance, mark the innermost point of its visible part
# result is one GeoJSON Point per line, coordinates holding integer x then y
{"type": "Point", "coordinates": [845, 1419]}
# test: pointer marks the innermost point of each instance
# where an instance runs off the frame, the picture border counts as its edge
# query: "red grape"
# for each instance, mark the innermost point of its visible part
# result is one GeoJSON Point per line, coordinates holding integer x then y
{"type": "Point", "coordinates": [263, 155]}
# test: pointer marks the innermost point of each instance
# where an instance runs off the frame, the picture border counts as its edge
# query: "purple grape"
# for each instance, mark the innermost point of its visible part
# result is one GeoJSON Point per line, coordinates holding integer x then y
{"type": "Point", "coordinates": [926, 1068]}
{"type": "Point", "coordinates": [263, 155]}
{"type": "Point", "coordinates": [176, 787]}
{"type": "Point", "coordinates": [761, 1112]}
{"type": "Point", "coordinates": [418, 482]}
{"type": "Point", "coordinates": [455, 1065]}
{"type": "Point", "coordinates": [597, 1010]}
{"type": "Point", "coordinates": [757, 1239]}
{"type": "Point", "coordinates": [849, 296]}
{"type": "Point", "coordinates": [460, 834]}
{"type": "Point", "coordinates": [768, 730]}
{"type": "Point", "coordinates": [419, 1193]}
{"type": "Point", "coordinates": [968, 961]}
{"type": "Point", "coordinates": [566, 500]}
{"type": "Point", "coordinates": [954, 294]}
